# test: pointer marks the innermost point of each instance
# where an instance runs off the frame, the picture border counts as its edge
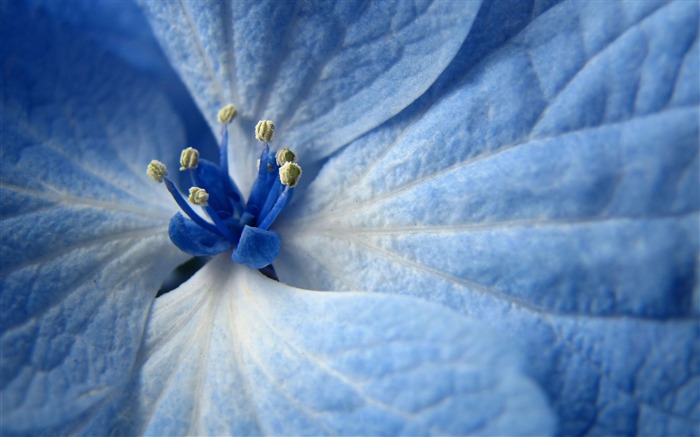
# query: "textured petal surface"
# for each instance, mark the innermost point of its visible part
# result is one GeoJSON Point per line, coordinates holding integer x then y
{"type": "Point", "coordinates": [83, 231]}
{"type": "Point", "coordinates": [555, 195]}
{"type": "Point", "coordinates": [120, 27]}
{"type": "Point", "coordinates": [325, 72]}
{"type": "Point", "coordinates": [232, 352]}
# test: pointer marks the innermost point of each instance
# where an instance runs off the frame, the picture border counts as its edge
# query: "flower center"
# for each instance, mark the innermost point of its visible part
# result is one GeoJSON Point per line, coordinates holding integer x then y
{"type": "Point", "coordinates": [243, 227]}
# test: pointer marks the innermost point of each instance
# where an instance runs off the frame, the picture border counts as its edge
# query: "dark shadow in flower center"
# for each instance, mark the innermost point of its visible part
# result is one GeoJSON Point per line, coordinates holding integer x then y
{"type": "Point", "coordinates": [182, 273]}
{"type": "Point", "coordinates": [186, 270]}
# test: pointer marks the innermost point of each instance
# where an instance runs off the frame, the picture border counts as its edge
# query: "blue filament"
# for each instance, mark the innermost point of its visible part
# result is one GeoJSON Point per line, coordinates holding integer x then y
{"type": "Point", "coordinates": [182, 203]}
{"type": "Point", "coordinates": [282, 201]}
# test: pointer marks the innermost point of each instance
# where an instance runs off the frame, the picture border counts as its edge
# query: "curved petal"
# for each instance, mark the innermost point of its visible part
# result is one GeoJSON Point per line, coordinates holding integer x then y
{"type": "Point", "coordinates": [554, 194]}
{"type": "Point", "coordinates": [119, 27]}
{"type": "Point", "coordinates": [234, 353]}
{"type": "Point", "coordinates": [324, 72]}
{"type": "Point", "coordinates": [256, 248]}
{"type": "Point", "coordinates": [83, 244]}
{"type": "Point", "coordinates": [191, 238]}
{"type": "Point", "coordinates": [496, 23]}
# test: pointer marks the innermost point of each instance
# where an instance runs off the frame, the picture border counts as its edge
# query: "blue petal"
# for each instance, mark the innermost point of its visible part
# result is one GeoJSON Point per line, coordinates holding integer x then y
{"type": "Point", "coordinates": [324, 72]}
{"type": "Point", "coordinates": [256, 248]}
{"type": "Point", "coordinates": [496, 23]}
{"type": "Point", "coordinates": [83, 247]}
{"type": "Point", "coordinates": [191, 238]}
{"type": "Point", "coordinates": [233, 353]}
{"type": "Point", "coordinates": [555, 195]}
{"type": "Point", "coordinates": [120, 27]}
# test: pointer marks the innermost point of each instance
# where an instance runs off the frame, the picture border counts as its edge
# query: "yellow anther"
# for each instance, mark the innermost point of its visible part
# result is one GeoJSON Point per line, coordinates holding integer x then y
{"type": "Point", "coordinates": [198, 196]}
{"type": "Point", "coordinates": [156, 170]}
{"type": "Point", "coordinates": [285, 155]}
{"type": "Point", "coordinates": [265, 130]}
{"type": "Point", "coordinates": [189, 158]}
{"type": "Point", "coordinates": [227, 114]}
{"type": "Point", "coordinates": [290, 173]}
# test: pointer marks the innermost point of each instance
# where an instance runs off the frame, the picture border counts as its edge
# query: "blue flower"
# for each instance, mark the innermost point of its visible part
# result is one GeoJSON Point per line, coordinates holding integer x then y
{"type": "Point", "coordinates": [513, 185]}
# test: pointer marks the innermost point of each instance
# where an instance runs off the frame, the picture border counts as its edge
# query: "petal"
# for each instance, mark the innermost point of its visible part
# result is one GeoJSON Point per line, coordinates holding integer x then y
{"type": "Point", "coordinates": [119, 27]}
{"type": "Point", "coordinates": [234, 353]}
{"type": "Point", "coordinates": [83, 244]}
{"type": "Point", "coordinates": [495, 24]}
{"type": "Point", "coordinates": [195, 240]}
{"type": "Point", "coordinates": [256, 248]}
{"type": "Point", "coordinates": [558, 184]}
{"type": "Point", "coordinates": [324, 72]}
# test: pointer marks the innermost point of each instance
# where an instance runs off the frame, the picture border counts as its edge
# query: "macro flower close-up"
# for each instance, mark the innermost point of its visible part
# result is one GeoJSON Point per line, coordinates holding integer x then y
{"type": "Point", "coordinates": [310, 217]}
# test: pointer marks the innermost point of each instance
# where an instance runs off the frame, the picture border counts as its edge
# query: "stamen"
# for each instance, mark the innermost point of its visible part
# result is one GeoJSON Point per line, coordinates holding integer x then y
{"type": "Point", "coordinates": [285, 155]}
{"type": "Point", "coordinates": [290, 173]}
{"type": "Point", "coordinates": [270, 193]}
{"type": "Point", "coordinates": [282, 200]}
{"type": "Point", "coordinates": [271, 199]}
{"type": "Point", "coordinates": [156, 170]}
{"type": "Point", "coordinates": [189, 158]}
{"type": "Point", "coordinates": [261, 187]}
{"type": "Point", "coordinates": [182, 203]}
{"type": "Point", "coordinates": [198, 196]}
{"type": "Point", "coordinates": [230, 186]}
{"type": "Point", "coordinates": [264, 131]}
{"type": "Point", "coordinates": [227, 114]}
